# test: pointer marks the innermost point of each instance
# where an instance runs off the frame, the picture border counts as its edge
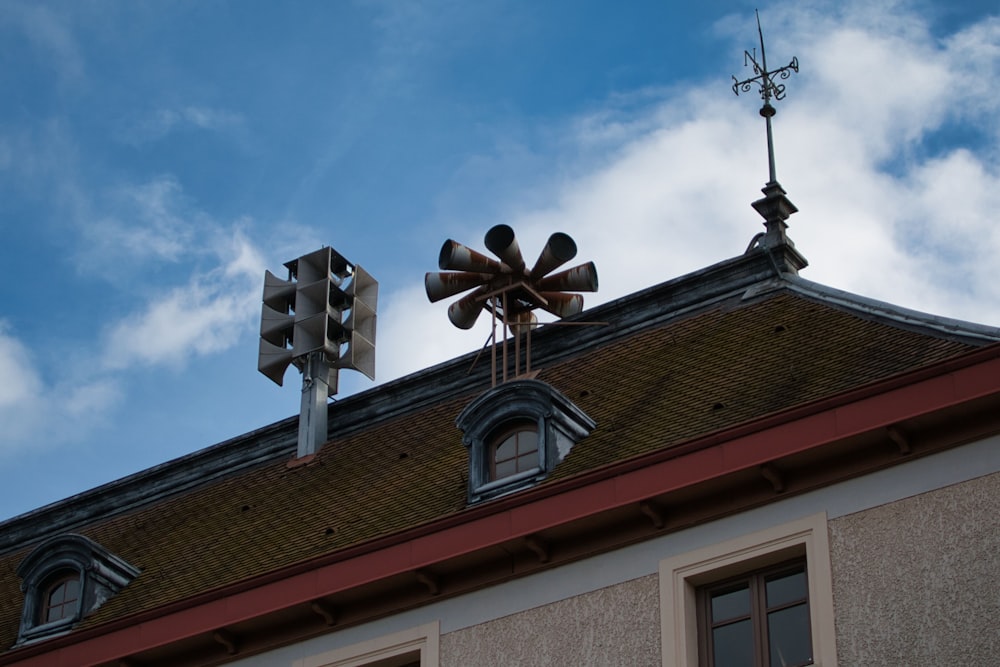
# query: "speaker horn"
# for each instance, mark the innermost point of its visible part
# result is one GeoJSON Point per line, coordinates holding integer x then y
{"type": "Point", "coordinates": [360, 356]}
{"type": "Point", "coordinates": [456, 257]}
{"type": "Point", "coordinates": [275, 326]}
{"type": "Point", "coordinates": [442, 285]}
{"type": "Point", "coordinates": [320, 296]}
{"type": "Point", "coordinates": [581, 278]}
{"type": "Point", "coordinates": [361, 321]}
{"type": "Point", "coordinates": [523, 322]}
{"type": "Point", "coordinates": [319, 333]}
{"type": "Point", "coordinates": [314, 266]}
{"type": "Point", "coordinates": [561, 304]}
{"type": "Point", "coordinates": [363, 288]}
{"type": "Point", "coordinates": [278, 294]}
{"type": "Point", "coordinates": [500, 240]}
{"type": "Point", "coordinates": [464, 312]}
{"type": "Point", "coordinates": [273, 361]}
{"type": "Point", "coordinates": [559, 250]}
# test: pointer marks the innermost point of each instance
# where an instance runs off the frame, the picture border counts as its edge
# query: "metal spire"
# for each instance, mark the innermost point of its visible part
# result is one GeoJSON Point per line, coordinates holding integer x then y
{"type": "Point", "coordinates": [775, 207]}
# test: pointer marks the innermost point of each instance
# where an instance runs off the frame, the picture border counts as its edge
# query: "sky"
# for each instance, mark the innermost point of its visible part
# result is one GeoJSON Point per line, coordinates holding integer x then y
{"type": "Point", "coordinates": [157, 157]}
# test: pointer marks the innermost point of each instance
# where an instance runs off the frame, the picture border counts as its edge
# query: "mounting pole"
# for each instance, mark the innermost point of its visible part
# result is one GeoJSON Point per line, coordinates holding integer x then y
{"type": "Point", "coordinates": [312, 415]}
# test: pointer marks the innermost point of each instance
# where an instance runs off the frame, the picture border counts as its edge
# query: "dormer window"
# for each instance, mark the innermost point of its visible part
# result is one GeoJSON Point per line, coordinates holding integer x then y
{"type": "Point", "coordinates": [64, 579]}
{"type": "Point", "coordinates": [516, 434]}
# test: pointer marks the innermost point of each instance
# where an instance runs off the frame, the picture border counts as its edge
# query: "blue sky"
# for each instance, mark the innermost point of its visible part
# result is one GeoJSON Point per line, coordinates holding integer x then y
{"type": "Point", "coordinates": [156, 157]}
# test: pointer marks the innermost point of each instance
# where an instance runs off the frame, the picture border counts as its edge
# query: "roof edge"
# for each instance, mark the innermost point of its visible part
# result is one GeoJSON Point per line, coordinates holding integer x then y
{"type": "Point", "coordinates": [959, 329]}
{"type": "Point", "coordinates": [150, 485]}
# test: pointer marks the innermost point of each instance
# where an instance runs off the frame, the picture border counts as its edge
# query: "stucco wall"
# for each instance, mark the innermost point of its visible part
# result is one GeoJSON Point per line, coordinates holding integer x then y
{"type": "Point", "coordinates": [917, 582]}
{"type": "Point", "coordinates": [617, 625]}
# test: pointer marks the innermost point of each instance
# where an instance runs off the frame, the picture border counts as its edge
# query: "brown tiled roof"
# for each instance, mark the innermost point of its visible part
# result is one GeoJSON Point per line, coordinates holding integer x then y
{"type": "Point", "coordinates": [646, 391]}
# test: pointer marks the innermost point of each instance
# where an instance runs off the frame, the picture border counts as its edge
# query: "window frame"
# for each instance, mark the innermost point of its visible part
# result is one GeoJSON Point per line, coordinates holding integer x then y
{"type": "Point", "coordinates": [394, 650]}
{"type": "Point", "coordinates": [501, 435]}
{"type": "Point", "coordinates": [682, 575]}
{"type": "Point", "coordinates": [48, 589]}
{"type": "Point", "coordinates": [755, 583]}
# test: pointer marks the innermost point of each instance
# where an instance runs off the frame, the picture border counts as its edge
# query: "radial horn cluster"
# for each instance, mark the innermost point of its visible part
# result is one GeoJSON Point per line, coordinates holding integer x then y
{"type": "Point", "coordinates": [507, 285]}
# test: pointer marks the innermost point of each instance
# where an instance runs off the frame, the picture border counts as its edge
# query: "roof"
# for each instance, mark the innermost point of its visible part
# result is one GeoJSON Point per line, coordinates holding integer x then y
{"type": "Point", "coordinates": [719, 348]}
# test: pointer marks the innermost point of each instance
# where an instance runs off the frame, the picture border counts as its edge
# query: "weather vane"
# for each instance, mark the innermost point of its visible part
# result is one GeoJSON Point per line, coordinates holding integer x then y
{"type": "Point", "coordinates": [768, 87]}
{"type": "Point", "coordinates": [774, 206]}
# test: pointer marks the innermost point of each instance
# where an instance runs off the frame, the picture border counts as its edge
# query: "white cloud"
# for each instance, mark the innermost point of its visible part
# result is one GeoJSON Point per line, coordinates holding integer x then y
{"type": "Point", "coordinates": [20, 379]}
{"type": "Point", "coordinates": [144, 222]}
{"type": "Point", "coordinates": [45, 414]}
{"type": "Point", "coordinates": [161, 122]}
{"type": "Point", "coordinates": [50, 35]}
{"type": "Point", "coordinates": [205, 316]}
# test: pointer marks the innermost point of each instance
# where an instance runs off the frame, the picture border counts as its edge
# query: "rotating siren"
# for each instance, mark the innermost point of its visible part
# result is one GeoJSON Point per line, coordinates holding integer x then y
{"type": "Point", "coordinates": [524, 289]}
{"type": "Point", "coordinates": [325, 305]}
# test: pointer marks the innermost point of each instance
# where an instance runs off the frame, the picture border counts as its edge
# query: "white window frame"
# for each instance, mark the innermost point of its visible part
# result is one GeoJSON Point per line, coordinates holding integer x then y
{"type": "Point", "coordinates": [423, 640]}
{"type": "Point", "coordinates": [683, 574]}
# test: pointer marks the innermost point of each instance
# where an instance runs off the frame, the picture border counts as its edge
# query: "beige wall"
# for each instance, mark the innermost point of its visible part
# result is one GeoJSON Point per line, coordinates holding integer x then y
{"type": "Point", "coordinates": [917, 582]}
{"type": "Point", "coordinates": [617, 625]}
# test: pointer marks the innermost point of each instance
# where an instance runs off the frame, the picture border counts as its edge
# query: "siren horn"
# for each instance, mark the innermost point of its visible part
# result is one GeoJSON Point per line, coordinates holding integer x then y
{"type": "Point", "coordinates": [559, 250]}
{"type": "Point", "coordinates": [501, 242]}
{"type": "Point", "coordinates": [278, 293]}
{"type": "Point", "coordinates": [562, 305]}
{"type": "Point", "coordinates": [273, 361]}
{"type": "Point", "coordinates": [464, 312]}
{"type": "Point", "coordinates": [582, 278]}
{"type": "Point", "coordinates": [457, 257]}
{"type": "Point", "coordinates": [442, 285]}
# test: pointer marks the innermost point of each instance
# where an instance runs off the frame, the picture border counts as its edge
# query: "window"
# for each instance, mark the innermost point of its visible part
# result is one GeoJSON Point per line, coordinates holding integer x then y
{"type": "Point", "coordinates": [61, 598]}
{"type": "Point", "coordinates": [756, 620]}
{"type": "Point", "coordinates": [416, 647]}
{"type": "Point", "coordinates": [63, 579]}
{"type": "Point", "coordinates": [514, 450]}
{"type": "Point", "coordinates": [516, 434]}
{"type": "Point", "coordinates": [760, 599]}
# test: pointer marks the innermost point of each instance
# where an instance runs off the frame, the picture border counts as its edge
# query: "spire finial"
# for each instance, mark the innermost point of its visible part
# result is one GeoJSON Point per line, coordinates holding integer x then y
{"type": "Point", "coordinates": [775, 207]}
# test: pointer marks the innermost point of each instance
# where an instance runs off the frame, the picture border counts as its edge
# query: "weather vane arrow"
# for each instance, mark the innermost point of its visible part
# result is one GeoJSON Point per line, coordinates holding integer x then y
{"type": "Point", "coordinates": [768, 86]}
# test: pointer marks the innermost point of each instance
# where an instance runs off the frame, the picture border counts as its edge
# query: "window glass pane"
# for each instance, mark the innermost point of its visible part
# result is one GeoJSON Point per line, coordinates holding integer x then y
{"type": "Point", "coordinates": [732, 645]}
{"type": "Point", "coordinates": [57, 595]}
{"type": "Point", "coordinates": [786, 588]}
{"type": "Point", "coordinates": [788, 636]}
{"type": "Point", "coordinates": [72, 589]}
{"type": "Point", "coordinates": [527, 461]}
{"type": "Point", "coordinates": [505, 450]}
{"type": "Point", "coordinates": [527, 442]}
{"type": "Point", "coordinates": [506, 468]}
{"type": "Point", "coordinates": [731, 604]}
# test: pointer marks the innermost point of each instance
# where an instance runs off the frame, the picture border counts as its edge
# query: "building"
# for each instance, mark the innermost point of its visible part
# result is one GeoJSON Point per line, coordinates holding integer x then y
{"type": "Point", "coordinates": [740, 461]}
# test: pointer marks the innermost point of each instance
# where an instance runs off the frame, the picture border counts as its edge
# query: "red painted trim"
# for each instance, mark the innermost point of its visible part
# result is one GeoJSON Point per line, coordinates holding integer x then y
{"type": "Point", "coordinates": [942, 386]}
